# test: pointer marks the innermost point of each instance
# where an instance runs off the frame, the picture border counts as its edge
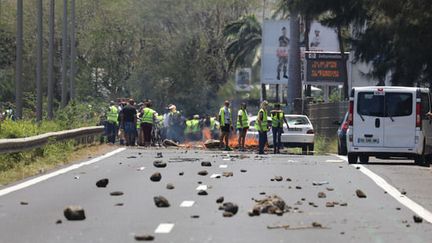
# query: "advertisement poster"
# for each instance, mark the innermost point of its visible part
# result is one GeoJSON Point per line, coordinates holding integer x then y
{"type": "Point", "coordinates": [275, 52]}
{"type": "Point", "coordinates": [243, 79]}
{"type": "Point", "coordinates": [322, 38]}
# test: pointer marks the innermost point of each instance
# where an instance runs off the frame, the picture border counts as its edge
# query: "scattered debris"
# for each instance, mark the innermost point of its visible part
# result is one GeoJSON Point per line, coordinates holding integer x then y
{"type": "Point", "coordinates": [417, 219]}
{"type": "Point", "coordinates": [319, 183]}
{"type": "Point", "coordinates": [59, 221]}
{"type": "Point", "coordinates": [358, 167]}
{"type": "Point", "coordinates": [288, 179]}
{"type": "Point", "coordinates": [298, 187]}
{"type": "Point", "coordinates": [330, 204]}
{"type": "Point", "coordinates": [206, 164]}
{"type": "Point", "coordinates": [161, 202]}
{"type": "Point", "coordinates": [116, 193]}
{"type": "Point", "coordinates": [360, 193]}
{"type": "Point", "coordinates": [270, 205]}
{"type": "Point", "coordinates": [181, 173]}
{"type": "Point", "coordinates": [144, 237]}
{"type": "Point", "coordinates": [220, 200]}
{"type": "Point", "coordinates": [243, 171]}
{"type": "Point", "coordinates": [178, 160]}
{"type": "Point", "coordinates": [203, 173]}
{"type": "Point", "coordinates": [169, 143]}
{"type": "Point", "coordinates": [159, 155]}
{"type": "Point", "coordinates": [74, 213]}
{"type": "Point", "coordinates": [287, 227]}
{"type": "Point", "coordinates": [403, 192]}
{"type": "Point", "coordinates": [212, 144]}
{"type": "Point", "coordinates": [76, 177]}
{"type": "Point", "coordinates": [230, 207]}
{"type": "Point", "coordinates": [119, 204]}
{"type": "Point", "coordinates": [321, 195]}
{"type": "Point", "coordinates": [330, 189]}
{"type": "Point", "coordinates": [227, 214]}
{"type": "Point", "coordinates": [24, 203]}
{"type": "Point", "coordinates": [262, 193]}
{"type": "Point", "coordinates": [202, 193]}
{"type": "Point", "coordinates": [131, 157]}
{"type": "Point", "coordinates": [344, 204]}
{"type": "Point", "coordinates": [159, 164]}
{"type": "Point", "coordinates": [156, 177]}
{"type": "Point", "coordinates": [316, 225]}
{"type": "Point", "coordinates": [102, 182]}
{"type": "Point", "coordinates": [170, 186]}
{"type": "Point", "coordinates": [141, 168]}
{"type": "Point", "coordinates": [228, 174]}
{"type": "Point", "coordinates": [398, 208]}
{"type": "Point", "coordinates": [195, 216]}
{"type": "Point", "coordinates": [278, 178]}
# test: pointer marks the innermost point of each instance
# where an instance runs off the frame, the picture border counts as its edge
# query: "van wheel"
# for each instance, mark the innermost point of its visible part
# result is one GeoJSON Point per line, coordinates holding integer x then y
{"type": "Point", "coordinates": [364, 159]}
{"type": "Point", "coordinates": [352, 158]}
{"type": "Point", "coordinates": [423, 160]}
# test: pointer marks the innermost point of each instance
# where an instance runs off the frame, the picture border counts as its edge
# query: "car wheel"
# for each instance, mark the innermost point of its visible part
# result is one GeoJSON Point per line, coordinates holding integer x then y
{"type": "Point", "coordinates": [339, 149]}
{"type": "Point", "coordinates": [310, 149]}
{"type": "Point", "coordinates": [364, 159]}
{"type": "Point", "coordinates": [304, 150]}
{"type": "Point", "coordinates": [423, 160]}
{"type": "Point", "coordinates": [352, 158]}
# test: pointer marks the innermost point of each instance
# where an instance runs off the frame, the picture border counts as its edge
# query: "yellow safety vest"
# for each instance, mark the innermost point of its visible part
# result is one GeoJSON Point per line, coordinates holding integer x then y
{"type": "Point", "coordinates": [222, 116]}
{"type": "Point", "coordinates": [244, 119]}
{"type": "Point", "coordinates": [263, 127]}
{"type": "Point", "coordinates": [188, 128]}
{"type": "Point", "coordinates": [148, 115]}
{"type": "Point", "coordinates": [112, 115]}
{"type": "Point", "coordinates": [277, 119]}
{"type": "Point", "coordinates": [195, 126]}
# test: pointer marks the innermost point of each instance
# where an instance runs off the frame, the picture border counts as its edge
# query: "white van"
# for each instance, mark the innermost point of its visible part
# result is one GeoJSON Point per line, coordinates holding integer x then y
{"type": "Point", "coordinates": [389, 122]}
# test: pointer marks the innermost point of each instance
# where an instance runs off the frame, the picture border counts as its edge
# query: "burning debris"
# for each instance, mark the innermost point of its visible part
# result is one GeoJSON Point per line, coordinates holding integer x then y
{"type": "Point", "coordinates": [212, 144]}
{"type": "Point", "coordinates": [102, 182]}
{"type": "Point", "coordinates": [74, 213]}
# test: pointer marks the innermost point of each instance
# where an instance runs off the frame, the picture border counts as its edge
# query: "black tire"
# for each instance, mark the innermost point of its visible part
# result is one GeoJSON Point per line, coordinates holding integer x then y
{"type": "Point", "coordinates": [310, 149]}
{"type": "Point", "coordinates": [352, 158]}
{"type": "Point", "coordinates": [339, 149]}
{"type": "Point", "coordinates": [364, 159]}
{"type": "Point", "coordinates": [304, 150]}
{"type": "Point", "coordinates": [423, 160]}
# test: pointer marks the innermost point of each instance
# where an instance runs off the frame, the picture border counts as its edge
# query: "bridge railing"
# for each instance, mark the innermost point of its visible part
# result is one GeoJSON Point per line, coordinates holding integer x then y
{"type": "Point", "coordinates": [82, 135]}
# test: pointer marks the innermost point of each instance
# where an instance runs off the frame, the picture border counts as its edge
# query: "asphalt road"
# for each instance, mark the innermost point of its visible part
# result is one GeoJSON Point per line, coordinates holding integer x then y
{"type": "Point", "coordinates": [377, 218]}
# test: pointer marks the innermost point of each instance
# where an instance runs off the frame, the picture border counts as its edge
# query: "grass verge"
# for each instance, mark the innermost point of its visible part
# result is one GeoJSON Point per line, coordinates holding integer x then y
{"type": "Point", "coordinates": [18, 166]}
{"type": "Point", "coordinates": [325, 145]}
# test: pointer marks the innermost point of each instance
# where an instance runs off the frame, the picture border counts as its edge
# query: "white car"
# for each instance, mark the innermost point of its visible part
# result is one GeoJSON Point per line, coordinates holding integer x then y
{"type": "Point", "coordinates": [389, 122]}
{"type": "Point", "coordinates": [300, 134]}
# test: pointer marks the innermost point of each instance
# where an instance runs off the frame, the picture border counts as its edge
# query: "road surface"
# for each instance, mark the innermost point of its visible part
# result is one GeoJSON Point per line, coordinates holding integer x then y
{"type": "Point", "coordinates": [31, 210]}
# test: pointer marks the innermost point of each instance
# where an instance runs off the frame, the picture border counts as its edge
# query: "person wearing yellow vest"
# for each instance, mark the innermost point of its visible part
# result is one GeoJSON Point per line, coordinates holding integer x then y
{"type": "Point", "coordinates": [225, 120]}
{"type": "Point", "coordinates": [278, 118]}
{"type": "Point", "coordinates": [261, 126]}
{"type": "Point", "coordinates": [242, 126]}
{"type": "Point", "coordinates": [188, 130]}
{"type": "Point", "coordinates": [148, 118]}
{"type": "Point", "coordinates": [111, 124]}
{"type": "Point", "coordinates": [196, 128]}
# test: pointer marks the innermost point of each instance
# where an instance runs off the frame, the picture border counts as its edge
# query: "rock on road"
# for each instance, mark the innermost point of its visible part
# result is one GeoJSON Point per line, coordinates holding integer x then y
{"type": "Point", "coordinates": [319, 191]}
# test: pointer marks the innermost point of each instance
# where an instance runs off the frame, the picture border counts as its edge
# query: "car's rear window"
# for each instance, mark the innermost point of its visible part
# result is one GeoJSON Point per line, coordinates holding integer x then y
{"type": "Point", "coordinates": [297, 120]}
{"type": "Point", "coordinates": [388, 105]}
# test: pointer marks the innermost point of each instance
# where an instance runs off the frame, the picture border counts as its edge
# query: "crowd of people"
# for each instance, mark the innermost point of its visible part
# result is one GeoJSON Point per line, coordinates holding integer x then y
{"type": "Point", "coordinates": [139, 124]}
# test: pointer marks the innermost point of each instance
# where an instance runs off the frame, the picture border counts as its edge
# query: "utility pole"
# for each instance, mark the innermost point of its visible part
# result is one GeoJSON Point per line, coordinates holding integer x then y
{"type": "Point", "coordinates": [19, 62]}
{"type": "Point", "coordinates": [294, 82]}
{"type": "Point", "coordinates": [64, 56]}
{"type": "Point", "coordinates": [39, 62]}
{"type": "Point", "coordinates": [73, 52]}
{"type": "Point", "coordinates": [51, 60]}
{"type": "Point", "coordinates": [263, 86]}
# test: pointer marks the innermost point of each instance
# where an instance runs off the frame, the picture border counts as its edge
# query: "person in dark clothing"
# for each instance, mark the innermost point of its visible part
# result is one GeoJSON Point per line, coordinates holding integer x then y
{"type": "Point", "coordinates": [129, 119]}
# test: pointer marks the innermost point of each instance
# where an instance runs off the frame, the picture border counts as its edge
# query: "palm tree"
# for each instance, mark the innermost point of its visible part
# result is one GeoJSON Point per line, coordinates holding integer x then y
{"type": "Point", "coordinates": [244, 37]}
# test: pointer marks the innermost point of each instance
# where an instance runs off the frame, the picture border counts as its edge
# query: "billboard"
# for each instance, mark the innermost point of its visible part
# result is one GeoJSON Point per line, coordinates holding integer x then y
{"type": "Point", "coordinates": [274, 53]}
{"type": "Point", "coordinates": [324, 68]}
{"type": "Point", "coordinates": [243, 78]}
{"type": "Point", "coordinates": [322, 38]}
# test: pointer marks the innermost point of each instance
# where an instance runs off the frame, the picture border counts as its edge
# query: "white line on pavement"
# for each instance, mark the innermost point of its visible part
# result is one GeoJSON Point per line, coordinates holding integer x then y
{"type": "Point", "coordinates": [164, 228]}
{"type": "Point", "coordinates": [202, 187]}
{"type": "Point", "coordinates": [334, 161]}
{"type": "Point", "coordinates": [223, 166]}
{"type": "Point", "coordinates": [392, 191]}
{"type": "Point", "coordinates": [187, 204]}
{"type": "Point", "coordinates": [56, 173]}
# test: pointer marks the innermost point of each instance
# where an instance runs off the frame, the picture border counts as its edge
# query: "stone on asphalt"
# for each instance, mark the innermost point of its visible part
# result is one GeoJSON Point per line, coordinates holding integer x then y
{"type": "Point", "coordinates": [206, 164]}
{"type": "Point", "coordinates": [203, 173]}
{"type": "Point", "coordinates": [344, 204]}
{"type": "Point", "coordinates": [321, 195]}
{"type": "Point", "coordinates": [220, 200]}
{"type": "Point", "coordinates": [230, 207]}
{"type": "Point", "coordinates": [195, 216]}
{"type": "Point", "coordinates": [161, 202]}
{"type": "Point", "coordinates": [330, 204]}
{"type": "Point", "coordinates": [330, 189]}
{"type": "Point", "coordinates": [278, 178]}
{"type": "Point", "coordinates": [102, 182]}
{"type": "Point", "coordinates": [159, 155]}
{"type": "Point", "coordinates": [298, 187]}
{"type": "Point", "coordinates": [24, 203]}
{"type": "Point", "coordinates": [270, 205]}
{"type": "Point", "coordinates": [116, 193]}
{"type": "Point", "coordinates": [228, 174]}
{"type": "Point", "coordinates": [74, 213]}
{"type": "Point", "coordinates": [169, 143]}
{"type": "Point", "coordinates": [316, 225]}
{"type": "Point", "coordinates": [119, 204]}
{"type": "Point", "coordinates": [288, 179]}
{"type": "Point", "coordinates": [144, 237]}
{"type": "Point", "coordinates": [360, 193]}
{"type": "Point", "coordinates": [156, 177]}
{"type": "Point", "coordinates": [202, 193]}
{"type": "Point", "coordinates": [159, 164]}
{"type": "Point", "coordinates": [227, 214]}
{"type": "Point", "coordinates": [417, 219]}
{"type": "Point", "coordinates": [243, 171]}
{"type": "Point", "coordinates": [59, 221]}
{"type": "Point", "coordinates": [170, 186]}
{"type": "Point", "coordinates": [212, 143]}
{"type": "Point", "coordinates": [181, 173]}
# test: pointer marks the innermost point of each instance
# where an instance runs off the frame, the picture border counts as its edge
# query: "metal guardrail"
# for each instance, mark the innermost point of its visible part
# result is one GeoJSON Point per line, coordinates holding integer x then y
{"type": "Point", "coordinates": [22, 144]}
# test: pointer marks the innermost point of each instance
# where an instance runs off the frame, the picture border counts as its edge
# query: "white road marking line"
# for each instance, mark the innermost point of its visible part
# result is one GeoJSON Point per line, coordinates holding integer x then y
{"type": "Point", "coordinates": [334, 161]}
{"type": "Point", "coordinates": [392, 191]}
{"type": "Point", "coordinates": [164, 228]}
{"type": "Point", "coordinates": [215, 175]}
{"type": "Point", "coordinates": [56, 173]}
{"type": "Point", "coordinates": [223, 166]}
{"type": "Point", "coordinates": [202, 187]}
{"type": "Point", "coordinates": [187, 204]}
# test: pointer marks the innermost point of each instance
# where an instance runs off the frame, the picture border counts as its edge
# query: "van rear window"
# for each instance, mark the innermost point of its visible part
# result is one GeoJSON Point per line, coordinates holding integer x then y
{"type": "Point", "coordinates": [370, 104]}
{"type": "Point", "coordinates": [388, 105]}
